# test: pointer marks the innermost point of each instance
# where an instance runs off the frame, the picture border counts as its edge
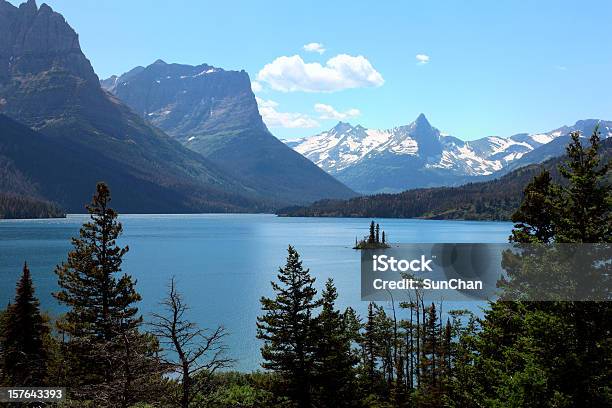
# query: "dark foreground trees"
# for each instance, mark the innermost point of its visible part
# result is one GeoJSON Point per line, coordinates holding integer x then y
{"type": "Point", "coordinates": [23, 347]}
{"type": "Point", "coordinates": [550, 354]}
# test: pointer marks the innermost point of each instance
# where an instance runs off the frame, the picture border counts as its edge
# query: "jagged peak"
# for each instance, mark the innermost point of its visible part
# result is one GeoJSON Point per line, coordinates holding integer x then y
{"type": "Point", "coordinates": [29, 5]}
{"type": "Point", "coordinates": [159, 61]}
{"type": "Point", "coordinates": [342, 127]}
{"type": "Point", "coordinates": [421, 120]}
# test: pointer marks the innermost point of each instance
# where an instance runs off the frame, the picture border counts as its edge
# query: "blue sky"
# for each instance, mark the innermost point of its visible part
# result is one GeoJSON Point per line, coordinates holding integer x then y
{"type": "Point", "coordinates": [484, 67]}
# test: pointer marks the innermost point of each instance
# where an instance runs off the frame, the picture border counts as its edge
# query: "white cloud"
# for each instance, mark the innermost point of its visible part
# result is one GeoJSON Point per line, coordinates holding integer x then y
{"type": "Point", "coordinates": [314, 47]}
{"type": "Point", "coordinates": [328, 112]}
{"type": "Point", "coordinates": [273, 118]}
{"type": "Point", "coordinates": [289, 74]}
{"type": "Point", "coordinates": [422, 58]}
{"type": "Point", "coordinates": [256, 86]}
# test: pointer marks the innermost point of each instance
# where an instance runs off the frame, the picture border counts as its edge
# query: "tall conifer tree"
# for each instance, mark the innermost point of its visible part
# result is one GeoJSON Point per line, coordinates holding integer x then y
{"type": "Point", "coordinates": [23, 347]}
{"type": "Point", "coordinates": [334, 359]}
{"type": "Point", "coordinates": [102, 313]}
{"type": "Point", "coordinates": [288, 330]}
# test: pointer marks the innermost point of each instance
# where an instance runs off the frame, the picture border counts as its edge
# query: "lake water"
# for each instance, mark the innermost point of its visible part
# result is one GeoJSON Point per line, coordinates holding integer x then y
{"type": "Point", "coordinates": [223, 263]}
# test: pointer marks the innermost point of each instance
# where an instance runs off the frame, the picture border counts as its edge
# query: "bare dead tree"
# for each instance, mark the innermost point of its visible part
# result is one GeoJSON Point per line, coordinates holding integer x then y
{"type": "Point", "coordinates": [195, 353]}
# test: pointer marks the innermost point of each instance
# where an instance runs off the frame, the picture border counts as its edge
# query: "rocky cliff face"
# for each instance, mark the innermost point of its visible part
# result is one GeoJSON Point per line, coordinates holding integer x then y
{"type": "Point", "coordinates": [43, 73]}
{"type": "Point", "coordinates": [214, 112]}
{"type": "Point", "coordinates": [186, 101]}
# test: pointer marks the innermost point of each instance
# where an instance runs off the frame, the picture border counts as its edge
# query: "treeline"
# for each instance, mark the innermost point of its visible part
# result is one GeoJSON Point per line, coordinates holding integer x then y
{"type": "Point", "coordinates": [15, 206]}
{"type": "Point", "coordinates": [411, 354]}
{"type": "Point", "coordinates": [490, 200]}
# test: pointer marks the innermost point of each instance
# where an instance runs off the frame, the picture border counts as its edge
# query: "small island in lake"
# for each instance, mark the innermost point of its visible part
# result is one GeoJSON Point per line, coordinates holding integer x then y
{"type": "Point", "coordinates": [375, 240]}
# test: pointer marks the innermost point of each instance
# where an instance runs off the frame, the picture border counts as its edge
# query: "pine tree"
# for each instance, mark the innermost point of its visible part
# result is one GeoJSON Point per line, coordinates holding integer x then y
{"type": "Point", "coordinates": [102, 318]}
{"type": "Point", "coordinates": [369, 345]}
{"type": "Point", "coordinates": [551, 353]}
{"type": "Point", "coordinates": [534, 217]}
{"type": "Point", "coordinates": [334, 359]}
{"type": "Point", "coordinates": [377, 233]}
{"type": "Point", "coordinates": [288, 330]}
{"type": "Point", "coordinates": [586, 204]}
{"type": "Point", "coordinates": [23, 347]}
{"type": "Point", "coordinates": [372, 236]}
{"type": "Point", "coordinates": [383, 238]}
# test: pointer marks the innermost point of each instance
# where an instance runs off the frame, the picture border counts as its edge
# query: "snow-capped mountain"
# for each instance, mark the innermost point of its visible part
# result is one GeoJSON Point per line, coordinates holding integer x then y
{"type": "Point", "coordinates": [419, 155]}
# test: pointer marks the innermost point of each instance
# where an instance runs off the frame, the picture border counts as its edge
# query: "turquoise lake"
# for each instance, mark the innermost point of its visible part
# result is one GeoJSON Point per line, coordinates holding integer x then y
{"type": "Point", "coordinates": [224, 263]}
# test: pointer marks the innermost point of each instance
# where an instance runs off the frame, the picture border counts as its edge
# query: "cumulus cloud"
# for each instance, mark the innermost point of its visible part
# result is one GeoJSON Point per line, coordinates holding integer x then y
{"type": "Point", "coordinates": [290, 74]}
{"type": "Point", "coordinates": [422, 58]}
{"type": "Point", "coordinates": [314, 47]}
{"type": "Point", "coordinates": [256, 86]}
{"type": "Point", "coordinates": [273, 118]}
{"type": "Point", "coordinates": [328, 112]}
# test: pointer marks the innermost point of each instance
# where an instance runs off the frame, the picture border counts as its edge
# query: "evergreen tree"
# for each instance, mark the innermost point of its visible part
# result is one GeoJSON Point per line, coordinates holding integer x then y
{"type": "Point", "coordinates": [23, 346]}
{"type": "Point", "coordinates": [288, 330]}
{"type": "Point", "coordinates": [334, 359]}
{"type": "Point", "coordinates": [377, 233]}
{"type": "Point", "coordinates": [586, 203]}
{"type": "Point", "coordinates": [430, 364]}
{"type": "Point", "coordinates": [534, 217]}
{"type": "Point", "coordinates": [369, 345]}
{"type": "Point", "coordinates": [553, 354]}
{"type": "Point", "coordinates": [102, 321]}
{"type": "Point", "coordinates": [372, 236]}
{"type": "Point", "coordinates": [383, 238]}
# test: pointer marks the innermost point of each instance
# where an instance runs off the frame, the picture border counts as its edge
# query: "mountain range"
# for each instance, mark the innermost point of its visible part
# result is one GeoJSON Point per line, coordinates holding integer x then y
{"type": "Point", "coordinates": [495, 199]}
{"type": "Point", "coordinates": [419, 155]}
{"type": "Point", "coordinates": [62, 133]}
{"type": "Point", "coordinates": [214, 112]}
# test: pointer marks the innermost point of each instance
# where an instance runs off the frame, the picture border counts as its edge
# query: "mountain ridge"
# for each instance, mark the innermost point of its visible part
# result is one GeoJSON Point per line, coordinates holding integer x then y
{"type": "Point", "coordinates": [47, 84]}
{"type": "Point", "coordinates": [419, 155]}
{"type": "Point", "coordinates": [491, 200]}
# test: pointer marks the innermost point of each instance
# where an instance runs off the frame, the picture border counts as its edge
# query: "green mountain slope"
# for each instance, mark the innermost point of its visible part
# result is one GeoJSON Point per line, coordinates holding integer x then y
{"type": "Point", "coordinates": [15, 206]}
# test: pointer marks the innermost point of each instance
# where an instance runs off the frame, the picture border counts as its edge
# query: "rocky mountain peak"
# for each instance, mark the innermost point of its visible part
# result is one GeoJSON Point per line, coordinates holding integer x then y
{"type": "Point", "coordinates": [421, 120]}
{"type": "Point", "coordinates": [38, 44]}
{"type": "Point", "coordinates": [342, 127]}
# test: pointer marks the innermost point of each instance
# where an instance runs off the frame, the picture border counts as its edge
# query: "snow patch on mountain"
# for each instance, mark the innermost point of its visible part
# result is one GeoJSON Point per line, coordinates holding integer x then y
{"type": "Point", "coordinates": [347, 151]}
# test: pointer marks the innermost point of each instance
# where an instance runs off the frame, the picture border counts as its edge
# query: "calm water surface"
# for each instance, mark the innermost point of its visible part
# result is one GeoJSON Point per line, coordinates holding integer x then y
{"type": "Point", "coordinates": [223, 263]}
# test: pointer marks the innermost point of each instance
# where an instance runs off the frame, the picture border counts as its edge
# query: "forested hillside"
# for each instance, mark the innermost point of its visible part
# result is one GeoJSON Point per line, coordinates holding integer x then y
{"type": "Point", "coordinates": [19, 206]}
{"type": "Point", "coordinates": [489, 200]}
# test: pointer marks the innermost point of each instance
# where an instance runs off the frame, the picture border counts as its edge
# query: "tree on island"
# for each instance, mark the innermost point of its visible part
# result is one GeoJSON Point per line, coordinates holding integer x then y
{"type": "Point", "coordinates": [23, 347]}
{"type": "Point", "coordinates": [372, 236]}
{"type": "Point", "coordinates": [372, 241]}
